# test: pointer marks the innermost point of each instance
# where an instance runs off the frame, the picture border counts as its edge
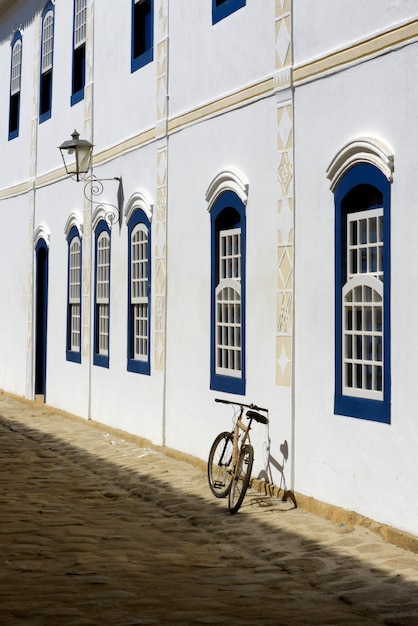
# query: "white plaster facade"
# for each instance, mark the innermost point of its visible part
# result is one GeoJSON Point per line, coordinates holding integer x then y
{"type": "Point", "coordinates": [260, 103]}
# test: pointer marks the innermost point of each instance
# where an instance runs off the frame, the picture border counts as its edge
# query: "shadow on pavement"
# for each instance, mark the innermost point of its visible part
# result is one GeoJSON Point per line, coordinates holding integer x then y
{"type": "Point", "coordinates": [119, 536]}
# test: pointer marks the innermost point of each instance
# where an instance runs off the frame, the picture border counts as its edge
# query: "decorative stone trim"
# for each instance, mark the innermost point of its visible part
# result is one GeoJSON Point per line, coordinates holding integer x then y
{"type": "Point", "coordinates": [139, 200]}
{"type": "Point", "coordinates": [361, 150]}
{"type": "Point", "coordinates": [41, 232]}
{"type": "Point", "coordinates": [230, 179]}
{"type": "Point", "coordinates": [76, 220]}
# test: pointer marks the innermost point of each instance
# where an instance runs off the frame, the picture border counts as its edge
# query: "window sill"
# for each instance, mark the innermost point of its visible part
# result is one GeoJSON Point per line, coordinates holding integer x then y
{"type": "Point", "coordinates": [139, 367]}
{"type": "Point", "coordinates": [74, 357]}
{"type": "Point", "coordinates": [228, 384]}
{"type": "Point", "coordinates": [142, 60]}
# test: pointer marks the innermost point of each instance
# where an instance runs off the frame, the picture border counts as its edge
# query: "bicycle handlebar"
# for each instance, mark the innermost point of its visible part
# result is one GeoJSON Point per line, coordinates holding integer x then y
{"type": "Point", "coordinates": [248, 406]}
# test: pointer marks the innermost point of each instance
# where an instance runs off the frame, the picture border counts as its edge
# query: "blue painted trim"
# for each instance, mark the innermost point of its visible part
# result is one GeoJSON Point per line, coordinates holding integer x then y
{"type": "Point", "coordinates": [134, 365]}
{"type": "Point", "coordinates": [374, 410]}
{"type": "Point", "coordinates": [77, 96]}
{"type": "Point", "coordinates": [41, 312]}
{"type": "Point", "coordinates": [72, 355]}
{"type": "Point", "coordinates": [223, 8]}
{"type": "Point", "coordinates": [148, 55]}
{"type": "Point", "coordinates": [230, 384]}
{"type": "Point", "coordinates": [15, 132]}
{"type": "Point", "coordinates": [99, 359]}
{"type": "Point", "coordinates": [46, 116]}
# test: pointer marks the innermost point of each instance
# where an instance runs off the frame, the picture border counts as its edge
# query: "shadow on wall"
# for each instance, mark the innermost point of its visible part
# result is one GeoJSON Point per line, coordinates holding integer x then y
{"type": "Point", "coordinates": [265, 481]}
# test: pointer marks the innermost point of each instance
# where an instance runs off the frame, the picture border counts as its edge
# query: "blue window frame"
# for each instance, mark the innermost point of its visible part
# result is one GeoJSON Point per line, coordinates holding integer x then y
{"type": "Point", "coordinates": [15, 84]}
{"type": "Point", "coordinates": [73, 351]}
{"type": "Point", "coordinates": [79, 50]}
{"type": "Point", "coordinates": [102, 295]}
{"type": "Point", "coordinates": [142, 33]}
{"type": "Point", "coordinates": [362, 294]}
{"type": "Point", "coordinates": [223, 8]}
{"type": "Point", "coordinates": [228, 235]}
{"type": "Point", "coordinates": [47, 57]}
{"type": "Point", "coordinates": [139, 292]}
{"type": "Point", "coordinates": [41, 315]}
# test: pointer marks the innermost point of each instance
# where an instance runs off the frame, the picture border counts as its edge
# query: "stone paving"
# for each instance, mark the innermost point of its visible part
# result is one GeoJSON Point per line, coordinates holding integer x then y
{"type": "Point", "coordinates": [97, 529]}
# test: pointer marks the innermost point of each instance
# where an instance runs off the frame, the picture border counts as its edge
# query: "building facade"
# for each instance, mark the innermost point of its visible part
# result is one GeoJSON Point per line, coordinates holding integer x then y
{"type": "Point", "coordinates": [250, 241]}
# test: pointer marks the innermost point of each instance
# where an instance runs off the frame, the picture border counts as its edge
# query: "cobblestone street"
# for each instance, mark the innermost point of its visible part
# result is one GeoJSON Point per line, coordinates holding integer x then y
{"type": "Point", "coordinates": [97, 529]}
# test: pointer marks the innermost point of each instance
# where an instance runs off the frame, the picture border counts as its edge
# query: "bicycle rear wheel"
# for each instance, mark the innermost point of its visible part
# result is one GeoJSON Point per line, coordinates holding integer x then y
{"type": "Point", "coordinates": [241, 479]}
{"type": "Point", "coordinates": [219, 465]}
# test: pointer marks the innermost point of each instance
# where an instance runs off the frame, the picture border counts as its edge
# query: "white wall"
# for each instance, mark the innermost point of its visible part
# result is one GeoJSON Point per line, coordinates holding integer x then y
{"type": "Point", "coordinates": [353, 463]}
{"type": "Point", "coordinates": [207, 62]}
{"type": "Point", "coordinates": [320, 28]}
{"type": "Point", "coordinates": [196, 156]}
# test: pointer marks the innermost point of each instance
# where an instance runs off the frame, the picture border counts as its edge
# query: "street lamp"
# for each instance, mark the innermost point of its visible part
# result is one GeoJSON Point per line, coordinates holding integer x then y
{"type": "Point", "coordinates": [77, 157]}
{"type": "Point", "coordinates": [76, 154]}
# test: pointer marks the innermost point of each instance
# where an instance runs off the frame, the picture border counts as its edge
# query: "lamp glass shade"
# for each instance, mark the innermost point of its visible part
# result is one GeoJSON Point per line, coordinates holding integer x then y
{"type": "Point", "coordinates": [76, 154]}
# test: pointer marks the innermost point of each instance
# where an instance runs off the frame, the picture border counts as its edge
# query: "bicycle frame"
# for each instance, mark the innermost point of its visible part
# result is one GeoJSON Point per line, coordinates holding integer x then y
{"type": "Point", "coordinates": [231, 456]}
{"type": "Point", "coordinates": [238, 427]}
{"type": "Point", "coordinates": [236, 443]}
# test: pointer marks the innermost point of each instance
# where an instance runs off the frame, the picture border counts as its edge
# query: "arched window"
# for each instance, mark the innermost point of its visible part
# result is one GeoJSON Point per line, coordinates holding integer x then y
{"type": "Point", "coordinates": [15, 84]}
{"type": "Point", "coordinates": [74, 296]}
{"type": "Point", "coordinates": [228, 294]}
{"type": "Point", "coordinates": [102, 294]}
{"type": "Point", "coordinates": [362, 294]}
{"type": "Point", "coordinates": [139, 292]}
{"type": "Point", "coordinates": [47, 53]}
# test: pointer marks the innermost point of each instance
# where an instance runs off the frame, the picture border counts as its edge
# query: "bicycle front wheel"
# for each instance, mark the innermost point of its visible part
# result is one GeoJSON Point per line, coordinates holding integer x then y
{"type": "Point", "coordinates": [219, 465]}
{"type": "Point", "coordinates": [241, 479]}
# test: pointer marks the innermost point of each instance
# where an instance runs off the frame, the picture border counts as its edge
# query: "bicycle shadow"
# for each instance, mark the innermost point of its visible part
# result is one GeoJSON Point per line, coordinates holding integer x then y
{"type": "Point", "coordinates": [266, 482]}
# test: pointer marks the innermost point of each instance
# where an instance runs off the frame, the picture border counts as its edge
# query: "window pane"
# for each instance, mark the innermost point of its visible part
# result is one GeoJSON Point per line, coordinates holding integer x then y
{"type": "Point", "coordinates": [80, 23]}
{"type": "Point", "coordinates": [16, 67]}
{"type": "Point", "coordinates": [47, 41]}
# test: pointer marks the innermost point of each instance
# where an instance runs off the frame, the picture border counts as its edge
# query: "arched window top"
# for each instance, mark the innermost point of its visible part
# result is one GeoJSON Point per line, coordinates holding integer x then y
{"type": "Point", "coordinates": [41, 233]}
{"type": "Point", "coordinates": [139, 200]}
{"type": "Point", "coordinates": [76, 220]}
{"type": "Point", "coordinates": [47, 37]}
{"type": "Point", "coordinates": [363, 150]}
{"type": "Point", "coordinates": [16, 45]}
{"type": "Point", "coordinates": [230, 179]}
{"type": "Point", "coordinates": [100, 215]}
{"type": "Point", "coordinates": [17, 37]}
{"type": "Point", "coordinates": [48, 8]}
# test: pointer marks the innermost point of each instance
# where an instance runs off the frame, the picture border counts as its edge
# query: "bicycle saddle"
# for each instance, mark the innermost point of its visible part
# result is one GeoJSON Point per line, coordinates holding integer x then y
{"type": "Point", "coordinates": [257, 417]}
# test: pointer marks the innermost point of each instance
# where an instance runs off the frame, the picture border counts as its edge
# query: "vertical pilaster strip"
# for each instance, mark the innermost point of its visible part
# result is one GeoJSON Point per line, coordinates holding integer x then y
{"type": "Point", "coordinates": [284, 307]}
{"type": "Point", "coordinates": [88, 134]}
{"type": "Point", "coordinates": [32, 205]}
{"type": "Point", "coordinates": [161, 212]}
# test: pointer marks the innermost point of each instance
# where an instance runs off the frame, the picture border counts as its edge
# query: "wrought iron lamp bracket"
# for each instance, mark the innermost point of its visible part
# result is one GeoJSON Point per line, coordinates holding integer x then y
{"type": "Point", "coordinates": [93, 187]}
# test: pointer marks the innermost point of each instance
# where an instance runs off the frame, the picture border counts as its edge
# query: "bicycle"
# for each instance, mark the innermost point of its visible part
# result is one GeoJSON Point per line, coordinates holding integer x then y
{"type": "Point", "coordinates": [231, 457]}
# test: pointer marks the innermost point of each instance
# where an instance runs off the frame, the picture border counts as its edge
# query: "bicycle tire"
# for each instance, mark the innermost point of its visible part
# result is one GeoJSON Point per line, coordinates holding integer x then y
{"type": "Point", "coordinates": [241, 478]}
{"type": "Point", "coordinates": [219, 465]}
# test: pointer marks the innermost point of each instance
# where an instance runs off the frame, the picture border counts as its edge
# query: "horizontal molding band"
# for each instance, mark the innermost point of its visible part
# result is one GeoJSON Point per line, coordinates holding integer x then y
{"type": "Point", "coordinates": [222, 105]}
{"type": "Point", "coordinates": [217, 107]}
{"type": "Point", "coordinates": [16, 190]}
{"type": "Point", "coordinates": [142, 139]}
{"type": "Point", "coordinates": [362, 51]}
{"type": "Point", "coordinates": [339, 60]}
